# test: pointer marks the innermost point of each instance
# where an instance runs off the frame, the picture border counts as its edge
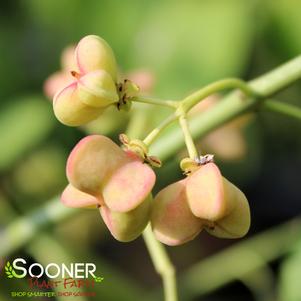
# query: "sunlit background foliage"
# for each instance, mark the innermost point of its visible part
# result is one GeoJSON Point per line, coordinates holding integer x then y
{"type": "Point", "coordinates": [185, 44]}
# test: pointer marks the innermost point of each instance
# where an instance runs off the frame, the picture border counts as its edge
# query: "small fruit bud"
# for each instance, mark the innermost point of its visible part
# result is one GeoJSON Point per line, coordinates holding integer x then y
{"type": "Point", "coordinates": [138, 147]}
{"type": "Point", "coordinates": [188, 165]}
{"type": "Point", "coordinates": [99, 170]}
{"type": "Point", "coordinates": [129, 89]}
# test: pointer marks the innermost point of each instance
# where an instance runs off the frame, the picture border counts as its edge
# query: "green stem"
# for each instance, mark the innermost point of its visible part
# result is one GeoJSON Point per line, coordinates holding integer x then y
{"type": "Point", "coordinates": [159, 102]}
{"type": "Point", "coordinates": [156, 250]}
{"type": "Point", "coordinates": [260, 282]}
{"type": "Point", "coordinates": [138, 121]}
{"type": "Point", "coordinates": [162, 264]}
{"type": "Point", "coordinates": [150, 138]}
{"type": "Point", "coordinates": [250, 255]}
{"type": "Point", "coordinates": [230, 107]}
{"type": "Point", "coordinates": [192, 151]}
{"type": "Point", "coordinates": [277, 79]}
{"type": "Point", "coordinates": [230, 83]}
{"type": "Point", "coordinates": [282, 108]}
{"type": "Point", "coordinates": [185, 105]}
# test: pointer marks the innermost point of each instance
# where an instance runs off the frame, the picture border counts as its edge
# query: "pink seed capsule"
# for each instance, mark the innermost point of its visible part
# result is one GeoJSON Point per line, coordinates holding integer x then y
{"type": "Point", "coordinates": [172, 220]}
{"type": "Point", "coordinates": [93, 88]}
{"type": "Point", "coordinates": [102, 174]}
{"type": "Point", "coordinates": [203, 200]}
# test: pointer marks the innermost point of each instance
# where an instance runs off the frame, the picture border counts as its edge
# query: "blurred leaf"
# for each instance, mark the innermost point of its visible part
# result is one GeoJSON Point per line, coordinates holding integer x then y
{"type": "Point", "coordinates": [40, 176]}
{"type": "Point", "coordinates": [116, 21]}
{"type": "Point", "coordinates": [110, 122]}
{"type": "Point", "coordinates": [290, 275]}
{"type": "Point", "coordinates": [80, 229]}
{"type": "Point", "coordinates": [285, 29]}
{"type": "Point", "coordinates": [6, 212]}
{"type": "Point", "coordinates": [11, 77]}
{"type": "Point", "coordinates": [245, 169]}
{"type": "Point", "coordinates": [24, 123]}
{"type": "Point", "coordinates": [45, 12]}
{"type": "Point", "coordinates": [189, 43]}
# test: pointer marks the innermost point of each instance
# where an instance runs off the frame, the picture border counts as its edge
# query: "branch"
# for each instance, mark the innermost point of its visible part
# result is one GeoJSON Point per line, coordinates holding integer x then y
{"type": "Point", "coordinates": [282, 108]}
{"type": "Point", "coordinates": [162, 264]}
{"type": "Point", "coordinates": [231, 106]}
{"type": "Point", "coordinates": [23, 229]}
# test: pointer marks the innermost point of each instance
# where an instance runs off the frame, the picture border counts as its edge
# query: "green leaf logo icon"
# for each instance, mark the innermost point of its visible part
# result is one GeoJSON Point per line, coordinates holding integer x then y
{"type": "Point", "coordinates": [98, 279]}
{"type": "Point", "coordinates": [9, 270]}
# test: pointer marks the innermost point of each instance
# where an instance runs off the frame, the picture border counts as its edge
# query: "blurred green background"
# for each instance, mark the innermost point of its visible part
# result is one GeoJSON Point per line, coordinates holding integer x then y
{"type": "Point", "coordinates": [184, 44]}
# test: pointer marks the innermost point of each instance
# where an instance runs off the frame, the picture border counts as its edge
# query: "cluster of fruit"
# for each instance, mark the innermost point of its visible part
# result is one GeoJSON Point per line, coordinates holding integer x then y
{"type": "Point", "coordinates": [119, 180]}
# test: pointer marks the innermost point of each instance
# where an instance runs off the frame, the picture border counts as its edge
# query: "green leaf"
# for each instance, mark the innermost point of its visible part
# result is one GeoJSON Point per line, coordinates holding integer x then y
{"type": "Point", "coordinates": [43, 12]}
{"type": "Point", "coordinates": [8, 270]}
{"type": "Point", "coordinates": [195, 42]}
{"type": "Point", "coordinates": [24, 123]}
{"type": "Point", "coordinates": [29, 180]}
{"type": "Point", "coordinates": [99, 279]}
{"type": "Point", "coordinates": [290, 275]}
{"type": "Point", "coordinates": [285, 29]}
